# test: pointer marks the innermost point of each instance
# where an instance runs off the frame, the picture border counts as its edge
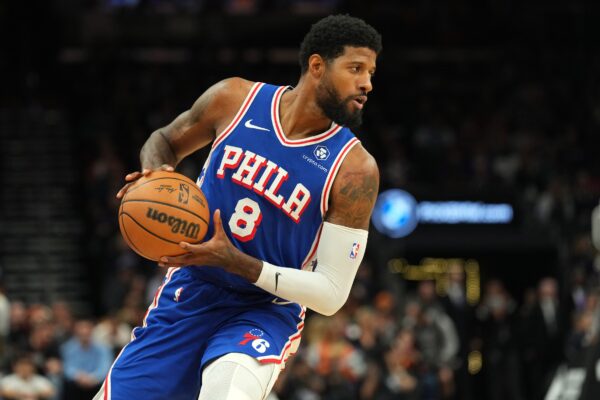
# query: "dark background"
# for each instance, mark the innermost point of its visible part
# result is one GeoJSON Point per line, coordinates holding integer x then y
{"type": "Point", "coordinates": [476, 100]}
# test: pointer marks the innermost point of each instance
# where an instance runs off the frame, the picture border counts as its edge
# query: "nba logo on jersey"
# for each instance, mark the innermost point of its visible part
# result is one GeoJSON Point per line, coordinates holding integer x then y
{"type": "Point", "coordinates": [354, 251]}
{"type": "Point", "coordinates": [178, 294]}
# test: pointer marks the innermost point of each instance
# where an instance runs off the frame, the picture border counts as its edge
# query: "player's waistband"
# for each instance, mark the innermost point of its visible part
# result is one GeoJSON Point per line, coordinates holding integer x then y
{"type": "Point", "coordinates": [227, 281]}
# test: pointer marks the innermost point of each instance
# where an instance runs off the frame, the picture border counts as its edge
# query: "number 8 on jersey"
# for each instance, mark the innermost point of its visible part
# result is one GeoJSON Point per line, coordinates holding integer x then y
{"type": "Point", "coordinates": [245, 220]}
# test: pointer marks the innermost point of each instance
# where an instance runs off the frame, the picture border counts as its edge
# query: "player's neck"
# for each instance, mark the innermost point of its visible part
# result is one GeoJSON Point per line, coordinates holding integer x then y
{"type": "Point", "coordinates": [299, 113]}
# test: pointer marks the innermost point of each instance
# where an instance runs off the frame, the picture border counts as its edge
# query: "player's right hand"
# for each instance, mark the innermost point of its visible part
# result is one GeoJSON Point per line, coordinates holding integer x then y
{"type": "Point", "coordinates": [134, 176]}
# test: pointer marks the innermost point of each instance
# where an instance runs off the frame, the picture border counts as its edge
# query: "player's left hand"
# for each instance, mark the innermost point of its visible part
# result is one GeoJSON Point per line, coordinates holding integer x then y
{"type": "Point", "coordinates": [218, 251]}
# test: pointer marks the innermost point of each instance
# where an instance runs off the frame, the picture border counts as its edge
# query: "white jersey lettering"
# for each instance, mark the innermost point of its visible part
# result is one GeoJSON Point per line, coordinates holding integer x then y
{"type": "Point", "coordinates": [297, 202]}
{"type": "Point", "coordinates": [246, 170]}
{"type": "Point", "coordinates": [271, 192]}
{"type": "Point", "coordinates": [231, 159]}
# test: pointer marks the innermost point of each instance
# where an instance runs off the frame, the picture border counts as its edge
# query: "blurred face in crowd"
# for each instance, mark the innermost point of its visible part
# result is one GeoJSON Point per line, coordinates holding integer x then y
{"type": "Point", "coordinates": [548, 289]}
{"type": "Point", "coordinates": [24, 368]}
{"type": "Point", "coordinates": [344, 85]}
{"type": "Point", "coordinates": [427, 291]}
{"type": "Point", "coordinates": [496, 299]}
{"type": "Point", "coordinates": [83, 332]}
{"type": "Point", "coordinates": [18, 314]}
{"type": "Point", "coordinates": [41, 336]}
{"type": "Point", "coordinates": [405, 341]}
{"type": "Point", "coordinates": [412, 313]}
{"type": "Point", "coordinates": [456, 273]}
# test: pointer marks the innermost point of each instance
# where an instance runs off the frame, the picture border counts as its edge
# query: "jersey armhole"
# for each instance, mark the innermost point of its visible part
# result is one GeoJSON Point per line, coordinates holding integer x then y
{"type": "Point", "coordinates": [333, 173]}
{"type": "Point", "coordinates": [239, 115]}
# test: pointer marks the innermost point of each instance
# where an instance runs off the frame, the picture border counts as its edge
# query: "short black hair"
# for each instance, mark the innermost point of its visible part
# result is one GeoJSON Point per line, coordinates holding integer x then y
{"type": "Point", "coordinates": [328, 37]}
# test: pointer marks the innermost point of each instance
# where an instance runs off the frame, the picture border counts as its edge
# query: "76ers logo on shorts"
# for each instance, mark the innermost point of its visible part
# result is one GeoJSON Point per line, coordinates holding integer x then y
{"type": "Point", "coordinates": [254, 336]}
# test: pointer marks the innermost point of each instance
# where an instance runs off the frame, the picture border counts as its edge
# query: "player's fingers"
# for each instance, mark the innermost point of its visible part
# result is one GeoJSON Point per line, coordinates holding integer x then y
{"type": "Point", "coordinates": [133, 176]}
{"type": "Point", "coordinates": [192, 248]}
{"type": "Point", "coordinates": [165, 167]}
{"type": "Point", "coordinates": [167, 265]}
{"type": "Point", "coordinates": [123, 190]}
{"type": "Point", "coordinates": [183, 259]}
{"type": "Point", "coordinates": [218, 224]}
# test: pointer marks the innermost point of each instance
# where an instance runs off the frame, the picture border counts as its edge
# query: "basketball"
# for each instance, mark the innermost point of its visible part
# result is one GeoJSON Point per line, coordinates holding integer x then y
{"type": "Point", "coordinates": [161, 210]}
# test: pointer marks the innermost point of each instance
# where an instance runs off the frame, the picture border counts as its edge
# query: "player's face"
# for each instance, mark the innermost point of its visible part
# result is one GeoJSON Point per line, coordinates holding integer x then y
{"type": "Point", "coordinates": [342, 92]}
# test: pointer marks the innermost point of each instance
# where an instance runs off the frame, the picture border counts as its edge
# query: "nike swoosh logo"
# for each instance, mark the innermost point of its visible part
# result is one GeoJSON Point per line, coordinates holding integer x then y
{"type": "Point", "coordinates": [277, 279]}
{"type": "Point", "coordinates": [280, 302]}
{"type": "Point", "coordinates": [250, 125]}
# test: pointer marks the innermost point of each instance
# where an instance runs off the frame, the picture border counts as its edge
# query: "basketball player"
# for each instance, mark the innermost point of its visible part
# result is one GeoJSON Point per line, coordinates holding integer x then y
{"type": "Point", "coordinates": [293, 190]}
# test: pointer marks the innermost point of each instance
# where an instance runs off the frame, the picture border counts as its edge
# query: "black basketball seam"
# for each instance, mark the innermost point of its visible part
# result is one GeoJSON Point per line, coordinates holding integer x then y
{"type": "Point", "coordinates": [129, 241]}
{"type": "Point", "coordinates": [152, 233]}
{"type": "Point", "coordinates": [166, 204]}
{"type": "Point", "coordinates": [162, 177]}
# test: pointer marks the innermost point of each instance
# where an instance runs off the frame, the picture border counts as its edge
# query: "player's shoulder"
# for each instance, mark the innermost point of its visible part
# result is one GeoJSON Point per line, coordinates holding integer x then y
{"type": "Point", "coordinates": [231, 90]}
{"type": "Point", "coordinates": [360, 161]}
{"type": "Point", "coordinates": [222, 100]}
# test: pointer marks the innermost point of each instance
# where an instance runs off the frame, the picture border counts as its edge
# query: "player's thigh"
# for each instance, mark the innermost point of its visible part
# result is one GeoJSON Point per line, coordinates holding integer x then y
{"type": "Point", "coordinates": [164, 359]}
{"type": "Point", "coordinates": [238, 376]}
{"type": "Point", "coordinates": [266, 332]}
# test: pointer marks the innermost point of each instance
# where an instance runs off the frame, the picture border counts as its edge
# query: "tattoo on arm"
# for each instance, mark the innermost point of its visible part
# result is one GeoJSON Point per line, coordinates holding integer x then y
{"type": "Point", "coordinates": [157, 151]}
{"type": "Point", "coordinates": [353, 197]}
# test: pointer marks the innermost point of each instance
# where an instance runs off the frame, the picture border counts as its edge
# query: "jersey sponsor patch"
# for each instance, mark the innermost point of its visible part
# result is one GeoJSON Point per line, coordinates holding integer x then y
{"type": "Point", "coordinates": [321, 152]}
{"type": "Point", "coordinates": [354, 250]}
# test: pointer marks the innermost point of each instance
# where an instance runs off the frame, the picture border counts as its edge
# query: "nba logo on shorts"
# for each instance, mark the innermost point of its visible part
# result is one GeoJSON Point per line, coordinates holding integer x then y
{"type": "Point", "coordinates": [354, 251]}
{"type": "Point", "coordinates": [178, 293]}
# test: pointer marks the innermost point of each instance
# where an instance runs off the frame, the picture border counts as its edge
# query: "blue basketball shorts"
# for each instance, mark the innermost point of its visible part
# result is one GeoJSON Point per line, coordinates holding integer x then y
{"type": "Point", "coordinates": [191, 322]}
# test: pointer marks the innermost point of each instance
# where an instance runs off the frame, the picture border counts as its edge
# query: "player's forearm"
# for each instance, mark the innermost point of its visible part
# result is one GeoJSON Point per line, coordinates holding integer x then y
{"type": "Point", "coordinates": [246, 266]}
{"type": "Point", "coordinates": [326, 289]}
{"type": "Point", "coordinates": [157, 151]}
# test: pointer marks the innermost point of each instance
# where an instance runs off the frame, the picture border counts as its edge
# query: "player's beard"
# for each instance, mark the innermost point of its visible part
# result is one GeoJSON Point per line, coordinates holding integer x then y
{"type": "Point", "coordinates": [335, 108]}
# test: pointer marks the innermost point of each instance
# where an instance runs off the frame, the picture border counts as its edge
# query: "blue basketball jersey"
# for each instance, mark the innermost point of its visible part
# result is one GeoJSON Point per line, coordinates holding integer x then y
{"type": "Point", "coordinates": [272, 191]}
{"type": "Point", "coordinates": [273, 194]}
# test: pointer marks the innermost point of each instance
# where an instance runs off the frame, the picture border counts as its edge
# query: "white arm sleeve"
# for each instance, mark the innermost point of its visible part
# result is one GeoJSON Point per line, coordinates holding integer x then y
{"type": "Point", "coordinates": [326, 289]}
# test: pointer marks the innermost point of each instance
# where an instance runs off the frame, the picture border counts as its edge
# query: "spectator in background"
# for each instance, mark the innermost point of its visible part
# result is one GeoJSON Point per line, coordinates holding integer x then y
{"type": "Point", "coordinates": [404, 370]}
{"type": "Point", "coordinates": [63, 319]}
{"type": "Point", "coordinates": [438, 343]}
{"type": "Point", "coordinates": [543, 338]}
{"type": "Point", "coordinates": [4, 320]}
{"type": "Point", "coordinates": [462, 315]}
{"type": "Point", "coordinates": [500, 346]}
{"type": "Point", "coordinates": [19, 325]}
{"type": "Point", "coordinates": [24, 383]}
{"type": "Point", "coordinates": [332, 355]}
{"type": "Point", "coordinates": [45, 350]}
{"type": "Point", "coordinates": [86, 363]}
{"type": "Point", "coordinates": [113, 333]}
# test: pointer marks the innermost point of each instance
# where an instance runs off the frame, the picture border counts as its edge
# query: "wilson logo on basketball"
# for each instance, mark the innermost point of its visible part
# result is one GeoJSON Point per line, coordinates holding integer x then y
{"type": "Point", "coordinates": [178, 225]}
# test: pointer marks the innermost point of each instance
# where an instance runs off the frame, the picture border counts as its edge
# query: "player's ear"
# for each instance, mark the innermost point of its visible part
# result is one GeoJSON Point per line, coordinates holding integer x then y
{"type": "Point", "coordinates": [316, 66]}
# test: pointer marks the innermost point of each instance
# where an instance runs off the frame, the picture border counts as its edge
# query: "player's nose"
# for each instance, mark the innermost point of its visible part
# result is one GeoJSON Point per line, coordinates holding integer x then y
{"type": "Point", "coordinates": [365, 84]}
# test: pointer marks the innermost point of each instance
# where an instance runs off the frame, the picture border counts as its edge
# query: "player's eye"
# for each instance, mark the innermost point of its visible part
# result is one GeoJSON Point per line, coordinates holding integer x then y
{"type": "Point", "coordinates": [355, 69]}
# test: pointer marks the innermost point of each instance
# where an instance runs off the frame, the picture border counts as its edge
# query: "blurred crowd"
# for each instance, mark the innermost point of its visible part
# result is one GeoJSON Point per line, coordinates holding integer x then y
{"type": "Point", "coordinates": [380, 346]}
